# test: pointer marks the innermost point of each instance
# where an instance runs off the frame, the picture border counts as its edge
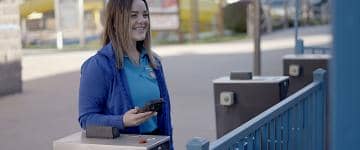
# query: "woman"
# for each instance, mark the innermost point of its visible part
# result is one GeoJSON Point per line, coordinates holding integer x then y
{"type": "Point", "coordinates": [124, 74]}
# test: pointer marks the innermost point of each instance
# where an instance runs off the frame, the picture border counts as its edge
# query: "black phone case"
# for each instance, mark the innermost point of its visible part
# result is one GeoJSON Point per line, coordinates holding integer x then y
{"type": "Point", "coordinates": [153, 105]}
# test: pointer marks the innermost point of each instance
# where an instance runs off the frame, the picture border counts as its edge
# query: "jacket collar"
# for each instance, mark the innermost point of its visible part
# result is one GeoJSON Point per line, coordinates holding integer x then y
{"type": "Point", "coordinates": [108, 51]}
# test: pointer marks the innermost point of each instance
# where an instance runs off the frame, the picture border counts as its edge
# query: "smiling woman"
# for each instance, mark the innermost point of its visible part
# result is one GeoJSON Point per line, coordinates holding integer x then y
{"type": "Point", "coordinates": [139, 21]}
{"type": "Point", "coordinates": [124, 75]}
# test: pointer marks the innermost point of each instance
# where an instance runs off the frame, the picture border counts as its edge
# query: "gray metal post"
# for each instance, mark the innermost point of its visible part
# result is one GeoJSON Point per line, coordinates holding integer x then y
{"type": "Point", "coordinates": [268, 17]}
{"type": "Point", "coordinates": [296, 21]}
{"type": "Point", "coordinates": [345, 73]}
{"type": "Point", "coordinates": [257, 39]}
{"type": "Point", "coordinates": [59, 35]}
{"type": "Point", "coordinates": [220, 20]}
{"type": "Point", "coordinates": [179, 31]}
{"type": "Point", "coordinates": [194, 19]}
{"type": "Point", "coordinates": [286, 14]}
{"type": "Point", "coordinates": [81, 23]}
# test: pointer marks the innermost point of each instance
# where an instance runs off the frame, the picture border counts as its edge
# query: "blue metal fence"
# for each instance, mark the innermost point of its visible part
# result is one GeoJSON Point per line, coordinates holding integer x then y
{"type": "Point", "coordinates": [301, 49]}
{"type": "Point", "coordinates": [295, 123]}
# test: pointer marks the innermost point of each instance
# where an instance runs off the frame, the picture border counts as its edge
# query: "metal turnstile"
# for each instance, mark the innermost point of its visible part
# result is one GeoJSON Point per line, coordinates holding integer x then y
{"type": "Point", "coordinates": [237, 101]}
{"type": "Point", "coordinates": [78, 141]}
{"type": "Point", "coordinates": [300, 68]}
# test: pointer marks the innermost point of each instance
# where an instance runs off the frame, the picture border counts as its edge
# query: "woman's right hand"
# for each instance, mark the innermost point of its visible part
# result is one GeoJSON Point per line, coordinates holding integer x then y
{"type": "Point", "coordinates": [133, 118]}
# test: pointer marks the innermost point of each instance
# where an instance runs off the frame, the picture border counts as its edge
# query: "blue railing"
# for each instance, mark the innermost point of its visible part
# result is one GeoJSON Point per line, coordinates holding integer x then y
{"type": "Point", "coordinates": [301, 49]}
{"type": "Point", "coordinates": [296, 123]}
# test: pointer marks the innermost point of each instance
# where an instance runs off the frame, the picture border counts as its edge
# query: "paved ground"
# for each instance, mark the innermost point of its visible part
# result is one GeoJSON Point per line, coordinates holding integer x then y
{"type": "Point", "coordinates": [47, 109]}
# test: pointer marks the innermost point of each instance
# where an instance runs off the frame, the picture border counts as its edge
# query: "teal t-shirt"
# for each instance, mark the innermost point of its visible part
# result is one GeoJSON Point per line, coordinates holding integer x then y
{"type": "Point", "coordinates": [143, 87]}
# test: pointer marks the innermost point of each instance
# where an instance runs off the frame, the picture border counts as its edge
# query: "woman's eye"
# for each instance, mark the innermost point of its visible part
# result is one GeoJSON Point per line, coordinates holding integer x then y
{"type": "Point", "coordinates": [146, 15]}
{"type": "Point", "coordinates": [133, 15]}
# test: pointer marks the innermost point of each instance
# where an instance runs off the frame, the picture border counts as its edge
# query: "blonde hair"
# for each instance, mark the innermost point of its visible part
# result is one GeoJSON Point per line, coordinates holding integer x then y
{"type": "Point", "coordinates": [118, 32]}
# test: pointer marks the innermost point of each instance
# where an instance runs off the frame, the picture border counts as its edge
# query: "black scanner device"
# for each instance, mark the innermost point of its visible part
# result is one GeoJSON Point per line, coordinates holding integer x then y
{"type": "Point", "coordinates": [103, 132]}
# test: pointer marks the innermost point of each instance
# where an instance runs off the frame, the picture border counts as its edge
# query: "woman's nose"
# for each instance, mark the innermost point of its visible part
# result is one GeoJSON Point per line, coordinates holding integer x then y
{"type": "Point", "coordinates": [141, 19]}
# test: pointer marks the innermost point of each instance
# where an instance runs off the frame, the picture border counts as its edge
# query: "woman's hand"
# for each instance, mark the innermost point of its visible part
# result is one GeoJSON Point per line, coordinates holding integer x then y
{"type": "Point", "coordinates": [133, 118]}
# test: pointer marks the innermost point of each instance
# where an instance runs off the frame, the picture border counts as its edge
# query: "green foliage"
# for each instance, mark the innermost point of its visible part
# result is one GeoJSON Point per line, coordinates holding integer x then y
{"type": "Point", "coordinates": [235, 17]}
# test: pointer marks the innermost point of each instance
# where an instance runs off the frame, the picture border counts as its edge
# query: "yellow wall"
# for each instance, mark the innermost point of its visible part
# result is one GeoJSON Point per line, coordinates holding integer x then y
{"type": "Point", "coordinates": [42, 6]}
{"type": "Point", "coordinates": [29, 6]}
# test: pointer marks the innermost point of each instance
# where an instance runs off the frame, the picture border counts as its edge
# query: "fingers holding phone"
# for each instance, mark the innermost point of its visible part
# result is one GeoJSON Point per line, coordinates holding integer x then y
{"type": "Point", "coordinates": [134, 118]}
{"type": "Point", "coordinates": [153, 105]}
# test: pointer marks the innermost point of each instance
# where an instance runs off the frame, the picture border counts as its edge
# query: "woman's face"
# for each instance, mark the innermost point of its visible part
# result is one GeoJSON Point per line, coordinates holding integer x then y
{"type": "Point", "coordinates": [139, 20]}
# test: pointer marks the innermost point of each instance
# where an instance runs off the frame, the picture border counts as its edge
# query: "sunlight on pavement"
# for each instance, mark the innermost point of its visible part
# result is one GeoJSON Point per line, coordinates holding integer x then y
{"type": "Point", "coordinates": [45, 65]}
{"type": "Point", "coordinates": [240, 46]}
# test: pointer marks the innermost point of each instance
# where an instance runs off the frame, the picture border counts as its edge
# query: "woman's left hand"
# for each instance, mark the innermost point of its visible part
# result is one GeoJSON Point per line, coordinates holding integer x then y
{"type": "Point", "coordinates": [133, 118]}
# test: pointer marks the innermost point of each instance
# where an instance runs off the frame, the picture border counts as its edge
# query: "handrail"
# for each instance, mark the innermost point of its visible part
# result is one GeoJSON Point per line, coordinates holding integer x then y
{"type": "Point", "coordinates": [267, 115]}
{"type": "Point", "coordinates": [300, 48]}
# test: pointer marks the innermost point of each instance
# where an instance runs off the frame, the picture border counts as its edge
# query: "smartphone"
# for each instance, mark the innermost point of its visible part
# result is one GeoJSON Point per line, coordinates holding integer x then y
{"type": "Point", "coordinates": [153, 105]}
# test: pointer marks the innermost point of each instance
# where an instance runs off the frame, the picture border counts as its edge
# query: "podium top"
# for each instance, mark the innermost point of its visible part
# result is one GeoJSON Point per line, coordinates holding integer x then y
{"type": "Point", "coordinates": [78, 141]}
{"type": "Point", "coordinates": [307, 56]}
{"type": "Point", "coordinates": [255, 79]}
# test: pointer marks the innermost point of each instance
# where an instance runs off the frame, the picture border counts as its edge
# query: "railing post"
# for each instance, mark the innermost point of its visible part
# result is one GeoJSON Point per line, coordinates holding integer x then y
{"type": "Point", "coordinates": [319, 75]}
{"type": "Point", "coordinates": [198, 143]}
{"type": "Point", "coordinates": [296, 21]}
{"type": "Point", "coordinates": [299, 46]}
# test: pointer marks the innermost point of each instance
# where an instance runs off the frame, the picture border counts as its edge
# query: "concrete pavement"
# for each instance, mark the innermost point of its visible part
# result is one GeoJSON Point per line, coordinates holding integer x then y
{"type": "Point", "coordinates": [47, 109]}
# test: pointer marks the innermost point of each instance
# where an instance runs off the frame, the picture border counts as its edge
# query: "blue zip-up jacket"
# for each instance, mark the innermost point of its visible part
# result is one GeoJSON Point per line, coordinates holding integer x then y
{"type": "Point", "coordinates": [104, 94]}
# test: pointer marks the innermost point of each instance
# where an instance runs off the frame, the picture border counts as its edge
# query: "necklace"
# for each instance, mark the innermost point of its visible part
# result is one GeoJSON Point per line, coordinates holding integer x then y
{"type": "Point", "coordinates": [135, 61]}
{"type": "Point", "coordinates": [134, 58]}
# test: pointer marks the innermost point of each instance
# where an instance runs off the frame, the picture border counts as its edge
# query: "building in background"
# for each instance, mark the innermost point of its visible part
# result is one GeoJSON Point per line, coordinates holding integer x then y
{"type": "Point", "coordinates": [171, 19]}
{"type": "Point", "coordinates": [10, 50]}
{"type": "Point", "coordinates": [38, 22]}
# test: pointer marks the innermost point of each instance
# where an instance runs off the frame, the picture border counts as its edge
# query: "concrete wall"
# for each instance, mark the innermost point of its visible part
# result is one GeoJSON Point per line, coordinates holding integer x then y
{"type": "Point", "coordinates": [10, 48]}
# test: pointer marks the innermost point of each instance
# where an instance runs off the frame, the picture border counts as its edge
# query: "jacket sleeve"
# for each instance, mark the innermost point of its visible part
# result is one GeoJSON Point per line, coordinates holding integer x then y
{"type": "Point", "coordinates": [168, 124]}
{"type": "Point", "coordinates": [168, 114]}
{"type": "Point", "coordinates": [94, 87]}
